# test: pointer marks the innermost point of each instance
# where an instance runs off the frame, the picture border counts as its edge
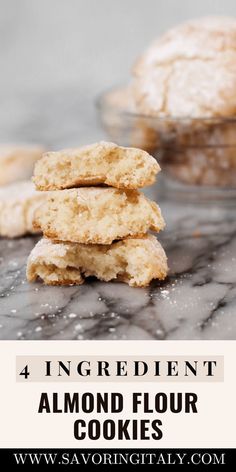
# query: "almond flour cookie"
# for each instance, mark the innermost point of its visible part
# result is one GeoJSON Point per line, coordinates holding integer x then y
{"type": "Point", "coordinates": [134, 261]}
{"type": "Point", "coordinates": [123, 122]}
{"type": "Point", "coordinates": [99, 163]}
{"type": "Point", "coordinates": [120, 98]}
{"type": "Point", "coordinates": [190, 71]}
{"type": "Point", "coordinates": [17, 162]}
{"type": "Point", "coordinates": [94, 215]}
{"type": "Point", "coordinates": [18, 203]}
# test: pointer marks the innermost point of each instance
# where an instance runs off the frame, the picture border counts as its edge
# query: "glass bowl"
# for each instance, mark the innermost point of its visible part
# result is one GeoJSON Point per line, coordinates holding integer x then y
{"type": "Point", "coordinates": [197, 155]}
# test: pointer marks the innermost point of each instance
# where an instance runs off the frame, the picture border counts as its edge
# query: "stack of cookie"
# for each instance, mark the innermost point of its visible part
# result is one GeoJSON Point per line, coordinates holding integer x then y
{"type": "Point", "coordinates": [95, 222]}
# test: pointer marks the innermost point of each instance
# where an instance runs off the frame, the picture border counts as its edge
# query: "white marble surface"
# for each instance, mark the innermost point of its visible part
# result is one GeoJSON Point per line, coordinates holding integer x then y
{"type": "Point", "coordinates": [197, 301]}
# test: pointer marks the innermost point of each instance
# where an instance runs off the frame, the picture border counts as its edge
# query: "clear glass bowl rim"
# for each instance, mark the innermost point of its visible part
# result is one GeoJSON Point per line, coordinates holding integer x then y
{"type": "Point", "coordinates": [102, 105]}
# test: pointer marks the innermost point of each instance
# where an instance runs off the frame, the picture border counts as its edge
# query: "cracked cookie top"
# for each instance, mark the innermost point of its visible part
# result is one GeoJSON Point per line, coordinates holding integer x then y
{"type": "Point", "coordinates": [189, 71]}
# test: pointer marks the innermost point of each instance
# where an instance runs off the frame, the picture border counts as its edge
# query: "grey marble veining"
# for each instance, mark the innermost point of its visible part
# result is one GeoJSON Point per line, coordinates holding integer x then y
{"type": "Point", "coordinates": [51, 72]}
{"type": "Point", "coordinates": [197, 301]}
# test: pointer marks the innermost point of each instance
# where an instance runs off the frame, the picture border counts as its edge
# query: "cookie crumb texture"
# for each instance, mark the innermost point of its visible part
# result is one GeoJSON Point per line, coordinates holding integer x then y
{"type": "Point", "coordinates": [97, 215]}
{"type": "Point", "coordinates": [99, 163]}
{"type": "Point", "coordinates": [134, 261]}
{"type": "Point", "coordinates": [18, 203]}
